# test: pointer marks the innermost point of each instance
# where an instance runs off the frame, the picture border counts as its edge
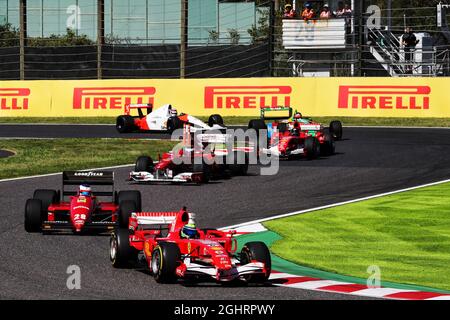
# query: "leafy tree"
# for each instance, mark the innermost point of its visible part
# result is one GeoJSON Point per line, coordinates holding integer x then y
{"type": "Point", "coordinates": [67, 40]}
{"type": "Point", "coordinates": [260, 32]}
{"type": "Point", "coordinates": [9, 36]}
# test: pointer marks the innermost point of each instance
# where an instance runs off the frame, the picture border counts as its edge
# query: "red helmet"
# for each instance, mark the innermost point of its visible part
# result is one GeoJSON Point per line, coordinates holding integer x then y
{"type": "Point", "coordinates": [297, 116]}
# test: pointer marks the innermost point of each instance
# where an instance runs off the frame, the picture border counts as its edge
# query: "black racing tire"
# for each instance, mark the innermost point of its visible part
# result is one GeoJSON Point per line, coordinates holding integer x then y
{"type": "Point", "coordinates": [120, 251]}
{"type": "Point", "coordinates": [236, 168]}
{"type": "Point", "coordinates": [215, 119]}
{"type": "Point", "coordinates": [258, 125]}
{"type": "Point", "coordinates": [34, 215]}
{"type": "Point", "coordinates": [258, 251]}
{"type": "Point", "coordinates": [204, 169]}
{"type": "Point", "coordinates": [133, 195]}
{"type": "Point", "coordinates": [126, 208]}
{"type": "Point", "coordinates": [328, 147]}
{"type": "Point", "coordinates": [282, 127]}
{"type": "Point", "coordinates": [47, 197]}
{"type": "Point", "coordinates": [144, 163]}
{"type": "Point", "coordinates": [336, 130]}
{"type": "Point", "coordinates": [312, 148]}
{"type": "Point", "coordinates": [166, 257]}
{"type": "Point", "coordinates": [174, 123]}
{"type": "Point", "coordinates": [125, 124]}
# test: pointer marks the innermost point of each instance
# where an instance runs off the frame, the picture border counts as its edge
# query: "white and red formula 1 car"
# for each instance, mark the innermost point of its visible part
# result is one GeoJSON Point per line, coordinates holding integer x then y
{"type": "Point", "coordinates": [165, 118]}
{"type": "Point", "coordinates": [157, 239]}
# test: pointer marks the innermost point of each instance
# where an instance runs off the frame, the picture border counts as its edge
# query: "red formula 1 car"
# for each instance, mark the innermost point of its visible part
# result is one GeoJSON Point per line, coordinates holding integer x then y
{"type": "Point", "coordinates": [165, 118]}
{"type": "Point", "coordinates": [201, 157]}
{"type": "Point", "coordinates": [292, 135]}
{"type": "Point", "coordinates": [49, 210]}
{"type": "Point", "coordinates": [157, 238]}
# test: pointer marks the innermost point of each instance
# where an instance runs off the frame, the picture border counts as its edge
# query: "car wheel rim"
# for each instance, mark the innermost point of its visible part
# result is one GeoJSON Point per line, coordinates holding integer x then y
{"type": "Point", "coordinates": [113, 250]}
{"type": "Point", "coordinates": [155, 262]}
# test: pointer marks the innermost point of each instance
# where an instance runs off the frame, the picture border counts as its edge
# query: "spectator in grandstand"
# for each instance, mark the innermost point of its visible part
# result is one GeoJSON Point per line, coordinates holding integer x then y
{"type": "Point", "coordinates": [326, 12]}
{"type": "Point", "coordinates": [289, 13]}
{"type": "Point", "coordinates": [409, 42]}
{"type": "Point", "coordinates": [343, 11]}
{"type": "Point", "coordinates": [308, 12]}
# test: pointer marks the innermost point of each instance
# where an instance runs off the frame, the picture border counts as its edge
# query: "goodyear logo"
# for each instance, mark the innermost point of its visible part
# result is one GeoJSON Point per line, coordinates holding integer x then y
{"type": "Point", "coordinates": [246, 97]}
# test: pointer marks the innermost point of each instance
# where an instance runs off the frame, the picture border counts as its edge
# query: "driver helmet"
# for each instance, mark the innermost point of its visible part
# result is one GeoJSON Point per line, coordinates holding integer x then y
{"type": "Point", "coordinates": [297, 116]}
{"type": "Point", "coordinates": [189, 230]}
{"type": "Point", "coordinates": [173, 112]}
{"type": "Point", "coordinates": [85, 190]}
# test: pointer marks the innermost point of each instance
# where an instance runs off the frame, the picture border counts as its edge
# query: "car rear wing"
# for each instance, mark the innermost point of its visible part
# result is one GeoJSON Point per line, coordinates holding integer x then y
{"type": "Point", "coordinates": [93, 178]}
{"type": "Point", "coordinates": [144, 220]}
{"type": "Point", "coordinates": [140, 106]}
{"type": "Point", "coordinates": [209, 136]}
{"type": "Point", "coordinates": [276, 113]}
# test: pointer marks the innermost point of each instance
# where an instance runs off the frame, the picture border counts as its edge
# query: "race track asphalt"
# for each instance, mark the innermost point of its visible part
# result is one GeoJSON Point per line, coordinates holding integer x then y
{"type": "Point", "coordinates": [368, 162]}
{"type": "Point", "coordinates": [71, 131]}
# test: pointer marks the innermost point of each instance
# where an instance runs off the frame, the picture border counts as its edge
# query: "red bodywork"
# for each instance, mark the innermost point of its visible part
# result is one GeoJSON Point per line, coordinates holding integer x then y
{"type": "Point", "coordinates": [140, 121]}
{"type": "Point", "coordinates": [288, 141]}
{"type": "Point", "coordinates": [81, 212]}
{"type": "Point", "coordinates": [211, 247]}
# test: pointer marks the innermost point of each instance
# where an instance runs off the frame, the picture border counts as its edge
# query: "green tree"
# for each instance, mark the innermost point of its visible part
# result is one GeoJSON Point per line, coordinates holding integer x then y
{"type": "Point", "coordinates": [9, 36]}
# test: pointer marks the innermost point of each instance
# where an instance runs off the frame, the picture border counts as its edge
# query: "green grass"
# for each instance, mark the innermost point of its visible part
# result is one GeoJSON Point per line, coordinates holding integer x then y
{"type": "Point", "coordinates": [48, 156]}
{"type": "Point", "coordinates": [347, 121]}
{"type": "Point", "coordinates": [407, 235]}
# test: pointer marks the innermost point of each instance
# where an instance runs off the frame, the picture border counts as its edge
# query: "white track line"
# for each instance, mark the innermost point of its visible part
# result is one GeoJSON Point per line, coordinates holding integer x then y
{"type": "Point", "coordinates": [334, 205]}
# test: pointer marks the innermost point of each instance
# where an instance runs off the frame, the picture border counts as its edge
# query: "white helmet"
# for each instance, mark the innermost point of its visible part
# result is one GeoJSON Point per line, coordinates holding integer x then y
{"type": "Point", "coordinates": [85, 190]}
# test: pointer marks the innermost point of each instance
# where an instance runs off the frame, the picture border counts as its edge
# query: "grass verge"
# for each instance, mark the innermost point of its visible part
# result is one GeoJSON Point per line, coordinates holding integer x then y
{"type": "Point", "coordinates": [47, 156]}
{"type": "Point", "coordinates": [347, 121]}
{"type": "Point", "coordinates": [406, 235]}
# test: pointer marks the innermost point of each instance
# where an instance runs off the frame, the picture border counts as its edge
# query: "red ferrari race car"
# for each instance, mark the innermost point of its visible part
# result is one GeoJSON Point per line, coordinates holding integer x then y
{"type": "Point", "coordinates": [172, 247]}
{"type": "Point", "coordinates": [49, 210]}
{"type": "Point", "coordinates": [291, 135]}
{"type": "Point", "coordinates": [201, 157]}
{"type": "Point", "coordinates": [165, 118]}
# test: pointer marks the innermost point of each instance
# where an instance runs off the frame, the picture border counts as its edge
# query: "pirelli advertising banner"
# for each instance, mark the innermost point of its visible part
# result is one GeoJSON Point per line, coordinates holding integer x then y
{"type": "Point", "coordinates": [359, 97]}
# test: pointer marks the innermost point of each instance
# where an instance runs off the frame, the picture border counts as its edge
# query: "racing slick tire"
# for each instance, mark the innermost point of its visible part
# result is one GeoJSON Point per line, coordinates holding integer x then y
{"type": "Point", "coordinates": [34, 215]}
{"type": "Point", "coordinates": [174, 123]}
{"type": "Point", "coordinates": [336, 130]}
{"type": "Point", "coordinates": [165, 259]}
{"type": "Point", "coordinates": [328, 147]}
{"type": "Point", "coordinates": [257, 125]}
{"type": "Point", "coordinates": [236, 168]}
{"type": "Point", "coordinates": [47, 197]}
{"type": "Point", "coordinates": [204, 169]}
{"type": "Point", "coordinates": [144, 163]}
{"type": "Point", "coordinates": [258, 251]}
{"type": "Point", "coordinates": [312, 148]}
{"type": "Point", "coordinates": [125, 124]}
{"type": "Point", "coordinates": [215, 119]}
{"type": "Point", "coordinates": [133, 195]}
{"type": "Point", "coordinates": [126, 208]}
{"type": "Point", "coordinates": [120, 252]}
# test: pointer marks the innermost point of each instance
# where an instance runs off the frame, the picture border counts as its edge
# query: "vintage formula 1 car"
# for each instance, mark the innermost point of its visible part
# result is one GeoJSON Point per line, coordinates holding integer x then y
{"type": "Point", "coordinates": [156, 239]}
{"type": "Point", "coordinates": [290, 135]}
{"type": "Point", "coordinates": [49, 210]}
{"type": "Point", "coordinates": [201, 157]}
{"type": "Point", "coordinates": [165, 118]}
